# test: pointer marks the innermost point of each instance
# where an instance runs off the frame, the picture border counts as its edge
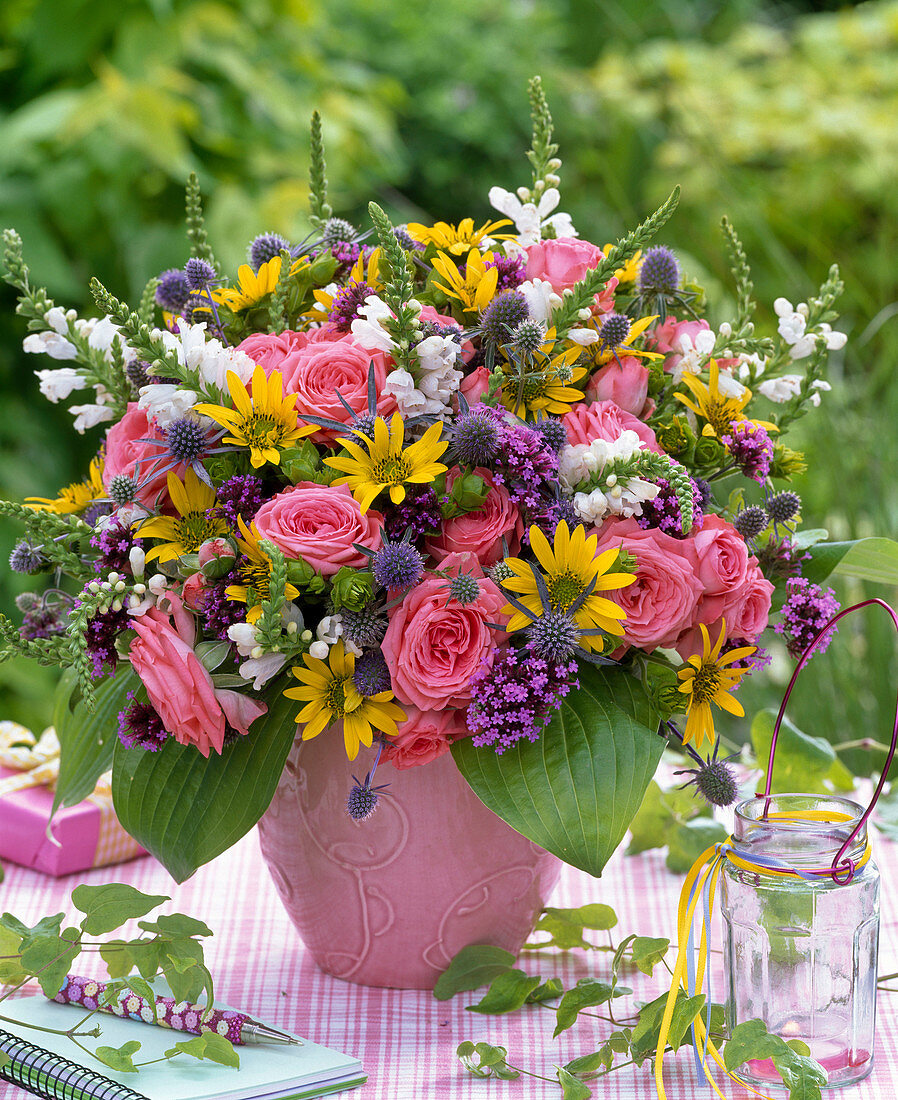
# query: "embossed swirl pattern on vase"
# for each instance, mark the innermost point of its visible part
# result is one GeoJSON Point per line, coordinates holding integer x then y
{"type": "Point", "coordinates": [390, 900]}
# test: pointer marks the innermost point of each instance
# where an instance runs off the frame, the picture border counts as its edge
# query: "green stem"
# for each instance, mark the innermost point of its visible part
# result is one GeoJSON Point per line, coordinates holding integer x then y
{"type": "Point", "coordinates": [862, 743]}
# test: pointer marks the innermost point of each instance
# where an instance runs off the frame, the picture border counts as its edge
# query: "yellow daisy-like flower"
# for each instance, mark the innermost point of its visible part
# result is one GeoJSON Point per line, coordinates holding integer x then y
{"type": "Point", "coordinates": [186, 532]}
{"type": "Point", "coordinates": [255, 573]}
{"type": "Point", "coordinates": [715, 407]}
{"type": "Point", "coordinates": [329, 694]}
{"type": "Point", "coordinates": [570, 567]}
{"type": "Point", "coordinates": [543, 384]}
{"type": "Point", "coordinates": [362, 274]}
{"type": "Point", "coordinates": [265, 422]}
{"type": "Point", "coordinates": [629, 271]}
{"type": "Point", "coordinates": [253, 286]}
{"type": "Point", "coordinates": [476, 288]}
{"type": "Point", "coordinates": [456, 239]}
{"type": "Point", "coordinates": [74, 498]}
{"type": "Point", "coordinates": [385, 464]}
{"type": "Point", "coordinates": [707, 680]}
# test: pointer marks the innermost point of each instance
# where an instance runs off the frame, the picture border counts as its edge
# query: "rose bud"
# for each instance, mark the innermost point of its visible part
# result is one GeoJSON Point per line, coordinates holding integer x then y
{"type": "Point", "coordinates": [216, 558]}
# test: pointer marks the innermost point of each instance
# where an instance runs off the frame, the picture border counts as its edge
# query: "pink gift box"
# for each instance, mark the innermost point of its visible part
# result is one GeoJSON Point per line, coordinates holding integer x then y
{"type": "Point", "coordinates": [88, 834]}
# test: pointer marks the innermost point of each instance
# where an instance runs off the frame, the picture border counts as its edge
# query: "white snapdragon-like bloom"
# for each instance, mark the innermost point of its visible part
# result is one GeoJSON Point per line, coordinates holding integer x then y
{"type": "Point", "coordinates": [693, 352]}
{"type": "Point", "coordinates": [612, 496]}
{"type": "Point", "coordinates": [57, 385]}
{"type": "Point", "coordinates": [209, 358]}
{"type": "Point", "coordinates": [88, 416]}
{"type": "Point", "coordinates": [437, 356]}
{"type": "Point", "coordinates": [623, 500]}
{"type": "Point", "coordinates": [49, 343]}
{"type": "Point", "coordinates": [103, 335]}
{"type": "Point", "coordinates": [58, 319]}
{"type": "Point", "coordinates": [834, 341]}
{"type": "Point", "coordinates": [788, 386]}
{"type": "Point", "coordinates": [400, 385]}
{"type": "Point", "coordinates": [243, 635]}
{"type": "Point", "coordinates": [583, 336]}
{"type": "Point", "coordinates": [792, 321]}
{"type": "Point", "coordinates": [330, 631]}
{"type": "Point", "coordinates": [262, 669]}
{"type": "Point", "coordinates": [541, 299]}
{"type": "Point", "coordinates": [530, 217]}
{"type": "Point", "coordinates": [367, 328]}
{"type": "Point", "coordinates": [165, 402]}
{"type": "Point", "coordinates": [750, 365]}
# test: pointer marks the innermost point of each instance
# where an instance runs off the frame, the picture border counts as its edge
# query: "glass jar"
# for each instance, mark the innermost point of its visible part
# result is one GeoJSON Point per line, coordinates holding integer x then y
{"type": "Point", "coordinates": [801, 955]}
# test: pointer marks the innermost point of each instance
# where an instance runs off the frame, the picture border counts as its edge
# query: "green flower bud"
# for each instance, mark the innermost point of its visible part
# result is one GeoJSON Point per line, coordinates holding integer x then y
{"type": "Point", "coordinates": [677, 438]}
{"type": "Point", "coordinates": [709, 452]}
{"type": "Point", "coordinates": [351, 589]}
{"type": "Point", "coordinates": [786, 462]}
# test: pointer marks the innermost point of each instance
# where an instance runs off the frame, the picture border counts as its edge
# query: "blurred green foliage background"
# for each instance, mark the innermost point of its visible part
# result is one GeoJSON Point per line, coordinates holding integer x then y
{"type": "Point", "coordinates": [779, 115]}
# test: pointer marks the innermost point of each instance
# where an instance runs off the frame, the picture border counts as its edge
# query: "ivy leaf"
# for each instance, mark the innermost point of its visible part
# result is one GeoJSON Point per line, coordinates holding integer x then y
{"type": "Point", "coordinates": [659, 813]}
{"type": "Point", "coordinates": [687, 842]}
{"type": "Point", "coordinates": [571, 1088]}
{"type": "Point", "coordinates": [49, 958]}
{"type": "Point", "coordinates": [210, 1045]}
{"type": "Point", "coordinates": [751, 1041]}
{"type": "Point", "coordinates": [886, 816]}
{"type": "Point", "coordinates": [587, 993]}
{"type": "Point", "coordinates": [143, 989]}
{"type": "Point", "coordinates": [566, 925]}
{"type": "Point", "coordinates": [648, 952]}
{"type": "Point", "coordinates": [802, 1076]}
{"type": "Point", "coordinates": [11, 972]}
{"type": "Point", "coordinates": [147, 955]}
{"type": "Point", "coordinates": [118, 958]}
{"type": "Point", "coordinates": [484, 1060]}
{"type": "Point", "coordinates": [472, 967]}
{"type": "Point", "coordinates": [176, 924]}
{"type": "Point", "coordinates": [645, 1036]}
{"type": "Point", "coordinates": [589, 1063]}
{"type": "Point", "coordinates": [548, 991]}
{"type": "Point", "coordinates": [108, 906]}
{"type": "Point", "coordinates": [119, 1058]}
{"type": "Point", "coordinates": [46, 926]}
{"type": "Point", "coordinates": [506, 993]}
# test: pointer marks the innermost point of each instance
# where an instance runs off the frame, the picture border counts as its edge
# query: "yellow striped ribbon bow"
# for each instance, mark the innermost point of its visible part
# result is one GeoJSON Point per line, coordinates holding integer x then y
{"type": "Point", "coordinates": [699, 890]}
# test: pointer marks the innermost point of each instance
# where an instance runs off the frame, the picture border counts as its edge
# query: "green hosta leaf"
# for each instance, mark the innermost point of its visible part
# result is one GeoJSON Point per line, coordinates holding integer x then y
{"type": "Point", "coordinates": [802, 762]}
{"type": "Point", "coordinates": [648, 952]}
{"type": "Point", "coordinates": [119, 1058]}
{"type": "Point", "coordinates": [605, 734]}
{"type": "Point", "coordinates": [687, 842]}
{"type": "Point", "coordinates": [87, 737]}
{"type": "Point", "coordinates": [472, 967]}
{"type": "Point", "coordinates": [11, 972]}
{"type": "Point", "coordinates": [660, 812]}
{"type": "Point", "coordinates": [186, 809]}
{"type": "Point", "coordinates": [484, 1060]}
{"type": "Point", "coordinates": [507, 992]}
{"type": "Point", "coordinates": [587, 993]}
{"type": "Point", "coordinates": [49, 958]}
{"type": "Point", "coordinates": [107, 907]}
{"type": "Point", "coordinates": [644, 1040]}
{"type": "Point", "coordinates": [548, 991]}
{"type": "Point", "coordinates": [571, 1088]}
{"type": "Point", "coordinates": [870, 559]}
{"type": "Point", "coordinates": [210, 1045]}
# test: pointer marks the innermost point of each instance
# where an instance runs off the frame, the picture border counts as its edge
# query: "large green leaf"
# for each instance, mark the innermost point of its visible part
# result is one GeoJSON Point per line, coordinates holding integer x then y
{"type": "Point", "coordinates": [186, 809]}
{"type": "Point", "coordinates": [870, 559]}
{"type": "Point", "coordinates": [575, 790]}
{"type": "Point", "coordinates": [87, 738]}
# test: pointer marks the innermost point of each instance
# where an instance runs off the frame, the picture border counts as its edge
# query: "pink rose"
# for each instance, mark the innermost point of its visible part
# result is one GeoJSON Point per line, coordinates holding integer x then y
{"type": "Point", "coordinates": [193, 591]}
{"type": "Point", "coordinates": [562, 262]}
{"type": "Point", "coordinates": [433, 645]}
{"type": "Point", "coordinates": [315, 366]}
{"type": "Point", "coordinates": [662, 602]}
{"type": "Point", "coordinates": [666, 336]}
{"type": "Point", "coordinates": [474, 385]}
{"type": "Point", "coordinates": [192, 709]}
{"type": "Point", "coordinates": [720, 560]}
{"type": "Point", "coordinates": [424, 736]}
{"type": "Point", "coordinates": [605, 420]}
{"type": "Point", "coordinates": [320, 523]}
{"type": "Point", "coordinates": [749, 610]}
{"type": "Point", "coordinates": [626, 384]}
{"type": "Point", "coordinates": [480, 532]}
{"type": "Point", "coordinates": [128, 453]}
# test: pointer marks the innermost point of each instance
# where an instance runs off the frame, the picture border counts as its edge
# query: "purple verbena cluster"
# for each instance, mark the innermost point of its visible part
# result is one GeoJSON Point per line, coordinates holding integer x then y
{"type": "Point", "coordinates": [220, 612]}
{"type": "Point", "coordinates": [754, 661]}
{"type": "Point", "coordinates": [807, 610]}
{"type": "Point", "coordinates": [664, 511]}
{"type": "Point", "coordinates": [102, 630]}
{"type": "Point", "coordinates": [516, 696]}
{"type": "Point", "coordinates": [240, 495]}
{"type": "Point", "coordinates": [512, 271]}
{"type": "Point", "coordinates": [114, 542]}
{"type": "Point", "coordinates": [420, 511]}
{"type": "Point", "coordinates": [528, 468]}
{"type": "Point", "coordinates": [140, 726]}
{"type": "Point", "coordinates": [751, 448]}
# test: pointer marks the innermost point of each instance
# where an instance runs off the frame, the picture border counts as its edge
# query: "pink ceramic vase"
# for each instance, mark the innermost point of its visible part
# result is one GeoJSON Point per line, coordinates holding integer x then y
{"type": "Point", "coordinates": [390, 900]}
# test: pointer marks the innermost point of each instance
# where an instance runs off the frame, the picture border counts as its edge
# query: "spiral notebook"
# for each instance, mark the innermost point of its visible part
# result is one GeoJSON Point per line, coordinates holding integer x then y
{"type": "Point", "coordinates": [52, 1066]}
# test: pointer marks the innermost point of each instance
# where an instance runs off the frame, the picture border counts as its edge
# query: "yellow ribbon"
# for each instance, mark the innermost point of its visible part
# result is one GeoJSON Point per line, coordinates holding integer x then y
{"type": "Point", "coordinates": [36, 758]}
{"type": "Point", "coordinates": [700, 889]}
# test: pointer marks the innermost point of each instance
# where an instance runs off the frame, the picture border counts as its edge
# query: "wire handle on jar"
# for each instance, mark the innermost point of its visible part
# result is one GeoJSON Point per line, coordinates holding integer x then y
{"type": "Point", "coordinates": [842, 871]}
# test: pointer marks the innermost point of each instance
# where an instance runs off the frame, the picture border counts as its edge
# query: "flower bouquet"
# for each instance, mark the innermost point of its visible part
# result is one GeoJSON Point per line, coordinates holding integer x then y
{"type": "Point", "coordinates": [484, 488]}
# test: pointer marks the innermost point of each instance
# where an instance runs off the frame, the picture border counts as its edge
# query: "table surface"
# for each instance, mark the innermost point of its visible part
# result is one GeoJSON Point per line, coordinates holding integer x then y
{"type": "Point", "coordinates": [407, 1039]}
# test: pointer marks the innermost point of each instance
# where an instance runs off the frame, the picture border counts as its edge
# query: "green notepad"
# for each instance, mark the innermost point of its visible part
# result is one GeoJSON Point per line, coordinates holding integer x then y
{"type": "Point", "coordinates": [267, 1071]}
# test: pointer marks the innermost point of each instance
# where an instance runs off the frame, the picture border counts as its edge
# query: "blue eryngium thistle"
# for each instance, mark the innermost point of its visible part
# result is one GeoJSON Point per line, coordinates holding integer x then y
{"type": "Point", "coordinates": [552, 431]}
{"type": "Point", "coordinates": [475, 439]}
{"type": "Point", "coordinates": [199, 274]}
{"type": "Point", "coordinates": [364, 628]}
{"type": "Point", "coordinates": [362, 800]}
{"type": "Point", "coordinates": [614, 331]}
{"type": "Point", "coordinates": [659, 272]}
{"type": "Point", "coordinates": [781, 507]}
{"type": "Point", "coordinates": [186, 438]}
{"type": "Point", "coordinates": [264, 248]}
{"type": "Point", "coordinates": [336, 230]}
{"type": "Point", "coordinates": [528, 336]}
{"type": "Point", "coordinates": [751, 521]}
{"type": "Point", "coordinates": [504, 313]}
{"type": "Point", "coordinates": [371, 675]}
{"type": "Point", "coordinates": [172, 293]}
{"type": "Point", "coordinates": [27, 559]}
{"type": "Point", "coordinates": [714, 780]}
{"type": "Point", "coordinates": [397, 565]}
{"type": "Point", "coordinates": [554, 636]}
{"type": "Point", "coordinates": [121, 489]}
{"type": "Point", "coordinates": [464, 589]}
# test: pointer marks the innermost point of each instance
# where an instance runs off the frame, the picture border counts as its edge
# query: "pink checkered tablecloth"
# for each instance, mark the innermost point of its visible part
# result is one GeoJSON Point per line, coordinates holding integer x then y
{"type": "Point", "coordinates": [406, 1039]}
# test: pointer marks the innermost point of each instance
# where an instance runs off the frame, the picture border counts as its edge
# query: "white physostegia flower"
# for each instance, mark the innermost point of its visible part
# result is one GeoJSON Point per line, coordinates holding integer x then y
{"type": "Point", "coordinates": [367, 328]}
{"type": "Point", "coordinates": [541, 299]}
{"type": "Point", "coordinates": [209, 358]}
{"type": "Point", "coordinates": [165, 402]}
{"type": "Point", "coordinates": [57, 385]}
{"type": "Point", "coordinates": [788, 386]}
{"type": "Point", "coordinates": [694, 352]}
{"type": "Point", "coordinates": [400, 385]}
{"type": "Point", "coordinates": [49, 343]}
{"type": "Point", "coordinates": [88, 416]}
{"type": "Point", "coordinates": [530, 217]}
{"type": "Point", "coordinates": [792, 321]}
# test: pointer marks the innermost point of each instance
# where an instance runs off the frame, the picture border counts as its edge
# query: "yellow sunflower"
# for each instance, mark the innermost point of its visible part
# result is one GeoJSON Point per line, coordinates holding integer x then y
{"type": "Point", "coordinates": [476, 288]}
{"type": "Point", "coordinates": [329, 694]}
{"type": "Point", "coordinates": [265, 422]}
{"type": "Point", "coordinates": [74, 498]}
{"type": "Point", "coordinates": [629, 271]}
{"type": "Point", "coordinates": [255, 573]}
{"type": "Point", "coordinates": [186, 532]}
{"type": "Point", "coordinates": [456, 239]}
{"type": "Point", "coordinates": [385, 464]}
{"type": "Point", "coordinates": [543, 384]}
{"type": "Point", "coordinates": [707, 680]}
{"type": "Point", "coordinates": [253, 286]}
{"type": "Point", "coordinates": [716, 408]}
{"type": "Point", "coordinates": [570, 568]}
